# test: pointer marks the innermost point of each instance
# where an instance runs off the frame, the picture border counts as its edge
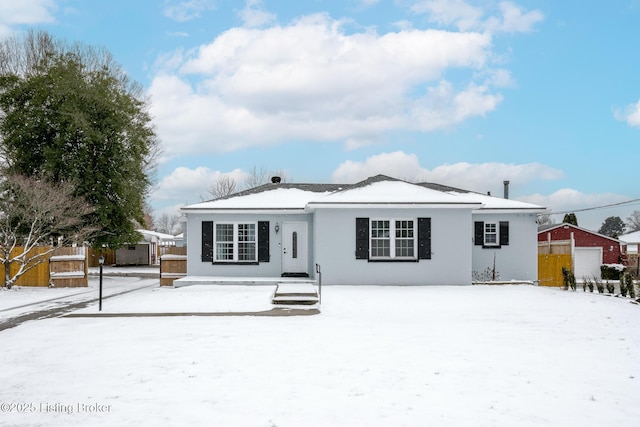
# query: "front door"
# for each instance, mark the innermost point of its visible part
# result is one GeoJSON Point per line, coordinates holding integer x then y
{"type": "Point", "coordinates": [294, 249]}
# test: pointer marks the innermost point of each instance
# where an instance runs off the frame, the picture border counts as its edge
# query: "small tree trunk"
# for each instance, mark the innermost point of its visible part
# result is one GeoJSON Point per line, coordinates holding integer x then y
{"type": "Point", "coordinates": [7, 275]}
{"type": "Point", "coordinates": [494, 268]}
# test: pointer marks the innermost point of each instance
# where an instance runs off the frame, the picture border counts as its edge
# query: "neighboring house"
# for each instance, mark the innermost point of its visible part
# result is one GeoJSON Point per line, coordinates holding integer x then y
{"type": "Point", "coordinates": [632, 240]}
{"type": "Point", "coordinates": [589, 249]}
{"type": "Point", "coordinates": [381, 231]}
{"type": "Point", "coordinates": [179, 240]}
{"type": "Point", "coordinates": [144, 252]}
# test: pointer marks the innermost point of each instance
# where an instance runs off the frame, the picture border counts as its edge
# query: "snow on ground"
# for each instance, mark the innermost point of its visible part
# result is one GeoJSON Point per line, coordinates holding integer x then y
{"type": "Point", "coordinates": [26, 299]}
{"type": "Point", "coordinates": [375, 356]}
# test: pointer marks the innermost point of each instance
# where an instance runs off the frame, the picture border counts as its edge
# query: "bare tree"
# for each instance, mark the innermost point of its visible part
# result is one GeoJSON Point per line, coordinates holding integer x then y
{"type": "Point", "coordinates": [256, 177]}
{"type": "Point", "coordinates": [223, 186]}
{"type": "Point", "coordinates": [167, 223]}
{"type": "Point", "coordinates": [226, 185]}
{"type": "Point", "coordinates": [633, 221]}
{"type": "Point", "coordinates": [261, 176]}
{"type": "Point", "coordinates": [148, 217]}
{"type": "Point", "coordinates": [545, 219]}
{"type": "Point", "coordinates": [34, 214]}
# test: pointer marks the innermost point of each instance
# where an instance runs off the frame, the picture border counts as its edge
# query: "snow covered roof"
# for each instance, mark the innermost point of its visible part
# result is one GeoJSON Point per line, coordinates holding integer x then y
{"type": "Point", "coordinates": [160, 236]}
{"type": "Point", "coordinates": [497, 203]}
{"type": "Point", "coordinates": [391, 192]}
{"type": "Point", "coordinates": [548, 227]}
{"type": "Point", "coordinates": [378, 190]}
{"type": "Point", "coordinates": [272, 197]}
{"type": "Point", "coordinates": [632, 238]}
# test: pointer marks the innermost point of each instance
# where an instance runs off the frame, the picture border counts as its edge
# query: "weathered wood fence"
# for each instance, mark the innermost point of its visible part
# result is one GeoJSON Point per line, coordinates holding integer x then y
{"type": "Point", "coordinates": [68, 267]}
{"type": "Point", "coordinates": [173, 265]}
{"type": "Point", "coordinates": [94, 254]}
{"type": "Point", "coordinates": [63, 267]}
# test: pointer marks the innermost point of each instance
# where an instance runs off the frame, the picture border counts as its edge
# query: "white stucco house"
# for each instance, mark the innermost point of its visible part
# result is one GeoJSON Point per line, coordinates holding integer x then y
{"type": "Point", "coordinates": [381, 231]}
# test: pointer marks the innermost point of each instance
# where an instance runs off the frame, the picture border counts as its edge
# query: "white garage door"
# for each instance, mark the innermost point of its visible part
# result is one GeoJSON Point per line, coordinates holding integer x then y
{"type": "Point", "coordinates": [587, 262]}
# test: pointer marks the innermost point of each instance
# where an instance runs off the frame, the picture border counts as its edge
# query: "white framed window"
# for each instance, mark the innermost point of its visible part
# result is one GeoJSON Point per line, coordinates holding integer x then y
{"type": "Point", "coordinates": [393, 239]}
{"type": "Point", "coordinates": [491, 234]}
{"type": "Point", "coordinates": [235, 242]}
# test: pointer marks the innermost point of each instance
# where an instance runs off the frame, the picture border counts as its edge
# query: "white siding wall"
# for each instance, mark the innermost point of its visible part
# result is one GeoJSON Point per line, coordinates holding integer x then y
{"type": "Point", "coordinates": [273, 268]}
{"type": "Point", "coordinates": [450, 263]}
{"type": "Point", "coordinates": [331, 243]}
{"type": "Point", "coordinates": [518, 260]}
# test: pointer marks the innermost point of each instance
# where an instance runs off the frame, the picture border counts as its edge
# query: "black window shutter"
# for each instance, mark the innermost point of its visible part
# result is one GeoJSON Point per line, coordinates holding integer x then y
{"type": "Point", "coordinates": [362, 238]}
{"type": "Point", "coordinates": [504, 233]}
{"type": "Point", "coordinates": [207, 241]}
{"type": "Point", "coordinates": [424, 238]}
{"type": "Point", "coordinates": [478, 237]}
{"type": "Point", "coordinates": [263, 241]}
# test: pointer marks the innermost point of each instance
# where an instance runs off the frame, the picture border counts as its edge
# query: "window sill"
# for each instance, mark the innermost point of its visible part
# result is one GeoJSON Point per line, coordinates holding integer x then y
{"type": "Point", "coordinates": [235, 263]}
{"type": "Point", "coordinates": [393, 260]}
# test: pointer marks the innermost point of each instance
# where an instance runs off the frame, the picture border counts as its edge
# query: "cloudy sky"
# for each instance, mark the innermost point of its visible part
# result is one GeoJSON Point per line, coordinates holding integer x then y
{"type": "Point", "coordinates": [545, 94]}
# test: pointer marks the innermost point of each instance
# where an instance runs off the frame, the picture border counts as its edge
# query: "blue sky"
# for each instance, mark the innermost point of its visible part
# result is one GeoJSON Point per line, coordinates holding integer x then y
{"type": "Point", "coordinates": [544, 93]}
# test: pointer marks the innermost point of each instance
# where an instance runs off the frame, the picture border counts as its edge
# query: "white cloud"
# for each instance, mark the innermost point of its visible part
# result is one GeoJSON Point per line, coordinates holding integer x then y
{"type": "Point", "coordinates": [397, 164]}
{"type": "Point", "coordinates": [310, 80]}
{"type": "Point", "coordinates": [515, 20]}
{"type": "Point", "coordinates": [461, 14]}
{"type": "Point", "coordinates": [254, 15]}
{"type": "Point", "coordinates": [567, 199]}
{"type": "Point", "coordinates": [450, 12]}
{"type": "Point", "coordinates": [481, 177]}
{"type": "Point", "coordinates": [403, 25]}
{"type": "Point", "coordinates": [630, 114]}
{"type": "Point", "coordinates": [186, 10]}
{"type": "Point", "coordinates": [191, 185]}
{"type": "Point", "coordinates": [25, 12]}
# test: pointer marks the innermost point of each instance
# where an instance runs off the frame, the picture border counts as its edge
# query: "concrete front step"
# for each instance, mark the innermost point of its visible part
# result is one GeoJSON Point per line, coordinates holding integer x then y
{"type": "Point", "coordinates": [295, 294]}
{"type": "Point", "coordinates": [294, 300]}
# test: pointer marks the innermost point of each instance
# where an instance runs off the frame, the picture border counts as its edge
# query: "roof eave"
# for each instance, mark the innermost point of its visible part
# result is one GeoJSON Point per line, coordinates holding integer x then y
{"type": "Point", "coordinates": [243, 210]}
{"type": "Point", "coordinates": [509, 210]}
{"type": "Point", "coordinates": [365, 205]}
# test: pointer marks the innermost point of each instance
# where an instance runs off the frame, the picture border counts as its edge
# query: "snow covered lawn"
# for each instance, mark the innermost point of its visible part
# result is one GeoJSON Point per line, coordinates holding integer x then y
{"type": "Point", "coordinates": [375, 356]}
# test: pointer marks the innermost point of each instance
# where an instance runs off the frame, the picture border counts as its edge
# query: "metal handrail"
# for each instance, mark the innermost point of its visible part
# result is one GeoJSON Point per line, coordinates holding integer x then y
{"type": "Point", "coordinates": [319, 273]}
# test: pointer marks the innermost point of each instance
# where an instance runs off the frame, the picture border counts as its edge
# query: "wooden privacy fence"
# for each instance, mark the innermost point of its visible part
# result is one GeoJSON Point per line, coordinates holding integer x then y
{"type": "Point", "coordinates": [68, 267]}
{"type": "Point", "coordinates": [550, 268]}
{"type": "Point", "coordinates": [108, 254]}
{"type": "Point", "coordinates": [63, 267]}
{"type": "Point", "coordinates": [173, 265]}
{"type": "Point", "coordinates": [552, 256]}
{"type": "Point", "coordinates": [37, 276]}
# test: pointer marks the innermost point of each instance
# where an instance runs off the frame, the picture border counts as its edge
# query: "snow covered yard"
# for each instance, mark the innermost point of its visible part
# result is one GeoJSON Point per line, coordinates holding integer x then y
{"type": "Point", "coordinates": [375, 356]}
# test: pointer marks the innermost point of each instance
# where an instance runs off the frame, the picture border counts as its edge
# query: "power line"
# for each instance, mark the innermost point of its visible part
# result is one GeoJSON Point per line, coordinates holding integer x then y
{"type": "Point", "coordinates": [628, 202]}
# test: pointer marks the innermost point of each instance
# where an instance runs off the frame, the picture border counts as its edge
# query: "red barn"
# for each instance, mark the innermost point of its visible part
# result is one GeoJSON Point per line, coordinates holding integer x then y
{"type": "Point", "coordinates": [589, 249]}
